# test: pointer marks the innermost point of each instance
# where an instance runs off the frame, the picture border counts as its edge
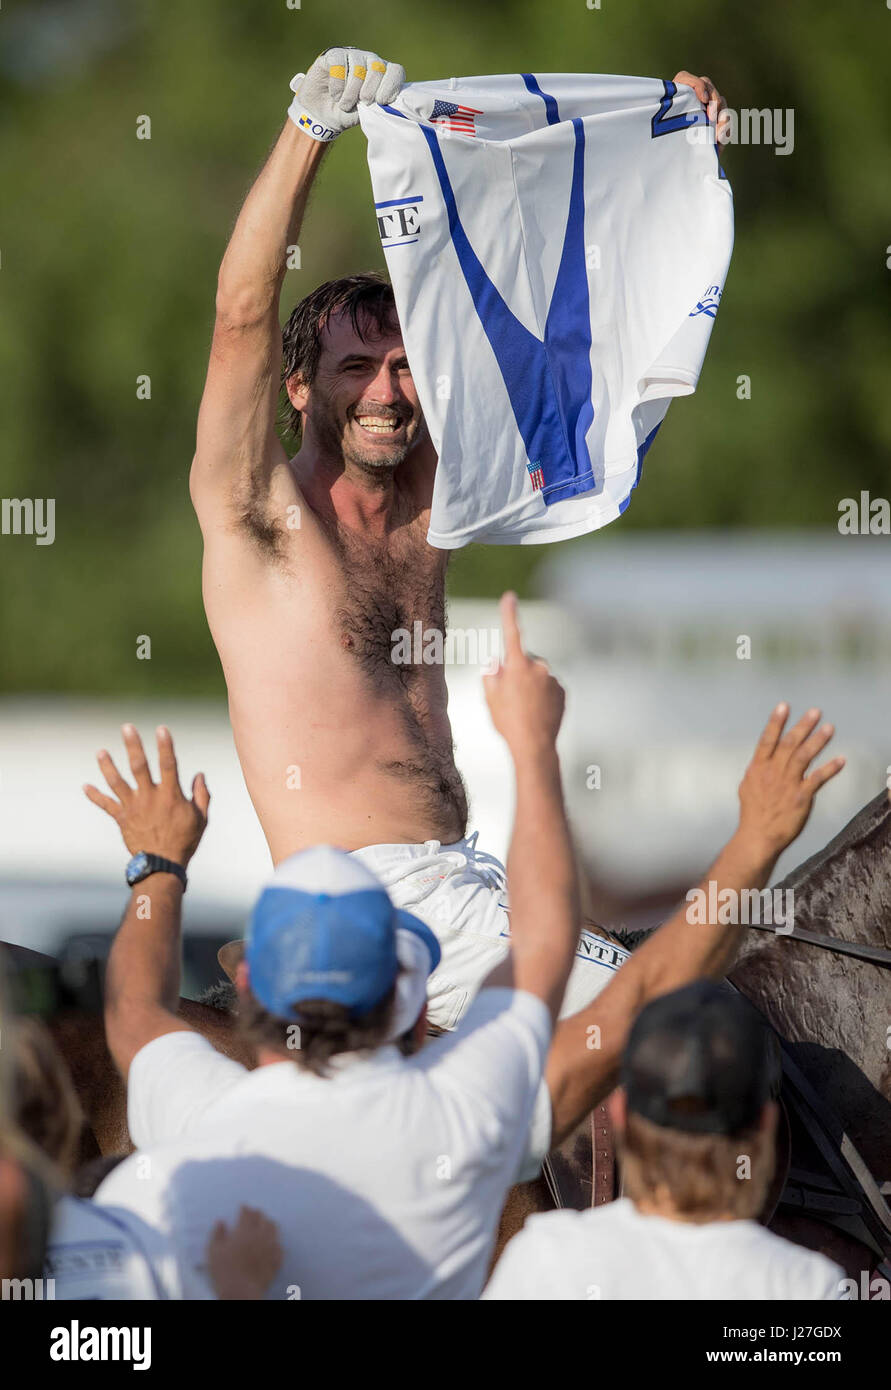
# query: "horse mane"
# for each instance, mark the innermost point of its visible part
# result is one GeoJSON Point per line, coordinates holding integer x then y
{"type": "Point", "coordinates": [220, 995]}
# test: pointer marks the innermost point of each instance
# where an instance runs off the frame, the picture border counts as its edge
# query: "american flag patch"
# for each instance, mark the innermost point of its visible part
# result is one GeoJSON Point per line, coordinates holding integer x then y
{"type": "Point", "coordinates": [458, 119]}
{"type": "Point", "coordinates": [535, 473]}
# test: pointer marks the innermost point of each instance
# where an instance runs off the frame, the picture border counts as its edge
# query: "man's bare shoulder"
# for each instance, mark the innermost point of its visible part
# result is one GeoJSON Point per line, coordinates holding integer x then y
{"type": "Point", "coordinates": [270, 525]}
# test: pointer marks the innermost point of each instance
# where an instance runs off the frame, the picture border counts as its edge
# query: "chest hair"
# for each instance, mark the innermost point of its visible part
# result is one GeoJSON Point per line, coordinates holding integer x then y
{"type": "Point", "coordinates": [388, 587]}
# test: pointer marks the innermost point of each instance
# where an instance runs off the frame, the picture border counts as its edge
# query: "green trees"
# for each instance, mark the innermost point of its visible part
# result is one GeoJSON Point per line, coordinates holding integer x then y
{"type": "Point", "coordinates": [109, 245]}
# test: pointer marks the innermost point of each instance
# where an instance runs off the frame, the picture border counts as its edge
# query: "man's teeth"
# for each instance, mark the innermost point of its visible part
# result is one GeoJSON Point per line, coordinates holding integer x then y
{"type": "Point", "coordinates": [377, 423]}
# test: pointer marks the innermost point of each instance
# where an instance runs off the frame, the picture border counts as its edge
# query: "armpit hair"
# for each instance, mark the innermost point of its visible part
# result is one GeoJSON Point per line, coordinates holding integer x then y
{"type": "Point", "coordinates": [262, 529]}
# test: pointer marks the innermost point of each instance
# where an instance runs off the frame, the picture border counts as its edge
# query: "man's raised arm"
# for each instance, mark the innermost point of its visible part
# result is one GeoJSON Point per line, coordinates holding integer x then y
{"type": "Point", "coordinates": [526, 704]}
{"type": "Point", "coordinates": [776, 796]}
{"type": "Point", "coordinates": [161, 828]}
{"type": "Point", "coordinates": [238, 451]}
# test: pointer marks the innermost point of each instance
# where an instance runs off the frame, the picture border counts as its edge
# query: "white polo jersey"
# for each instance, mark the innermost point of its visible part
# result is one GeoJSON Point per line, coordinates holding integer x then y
{"type": "Point", "coordinates": [616, 1252]}
{"type": "Point", "coordinates": [385, 1180]}
{"type": "Point", "coordinates": [557, 246]}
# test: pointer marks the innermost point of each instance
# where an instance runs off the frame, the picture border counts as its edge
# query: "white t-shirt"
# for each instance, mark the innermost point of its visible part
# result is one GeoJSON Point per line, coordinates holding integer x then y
{"type": "Point", "coordinates": [385, 1179]}
{"type": "Point", "coordinates": [557, 245]}
{"type": "Point", "coordinates": [615, 1252]}
{"type": "Point", "coordinates": [105, 1252]}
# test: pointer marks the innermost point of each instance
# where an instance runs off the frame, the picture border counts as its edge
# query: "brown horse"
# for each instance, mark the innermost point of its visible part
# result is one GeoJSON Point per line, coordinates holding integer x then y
{"type": "Point", "coordinates": [832, 1008]}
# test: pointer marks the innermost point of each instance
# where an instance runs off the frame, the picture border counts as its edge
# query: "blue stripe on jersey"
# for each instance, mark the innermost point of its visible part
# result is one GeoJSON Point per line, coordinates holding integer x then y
{"type": "Point", "coordinates": [568, 327]}
{"type": "Point", "coordinates": [641, 455]}
{"type": "Point", "coordinates": [549, 101]}
{"type": "Point", "coordinates": [548, 383]}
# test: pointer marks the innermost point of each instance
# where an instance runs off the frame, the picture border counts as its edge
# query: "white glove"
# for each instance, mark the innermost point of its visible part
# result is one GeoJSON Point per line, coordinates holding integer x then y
{"type": "Point", "coordinates": [325, 98]}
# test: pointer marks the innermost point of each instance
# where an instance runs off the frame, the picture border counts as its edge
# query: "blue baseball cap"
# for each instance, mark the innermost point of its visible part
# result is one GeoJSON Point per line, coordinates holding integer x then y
{"type": "Point", "coordinates": [324, 927]}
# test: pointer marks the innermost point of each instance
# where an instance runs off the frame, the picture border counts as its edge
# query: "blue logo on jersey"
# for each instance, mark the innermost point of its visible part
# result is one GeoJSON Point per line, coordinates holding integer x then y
{"type": "Point", "coordinates": [708, 304]}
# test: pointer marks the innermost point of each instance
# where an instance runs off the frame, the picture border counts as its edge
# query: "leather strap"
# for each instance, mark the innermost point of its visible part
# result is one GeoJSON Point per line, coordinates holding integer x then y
{"type": "Point", "coordinates": [840, 1155]}
{"type": "Point", "coordinates": [822, 1125]}
{"type": "Point", "coordinates": [603, 1157]}
{"type": "Point", "coordinates": [860, 950]}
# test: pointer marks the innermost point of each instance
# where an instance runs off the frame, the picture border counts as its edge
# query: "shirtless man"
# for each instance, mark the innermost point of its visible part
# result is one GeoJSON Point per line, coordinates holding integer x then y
{"type": "Point", "coordinates": [312, 563]}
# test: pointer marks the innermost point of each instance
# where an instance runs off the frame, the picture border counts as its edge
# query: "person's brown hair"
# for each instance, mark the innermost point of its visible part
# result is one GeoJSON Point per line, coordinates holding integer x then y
{"type": "Point", "coordinates": [318, 1032]}
{"type": "Point", "coordinates": [44, 1101]}
{"type": "Point", "coordinates": [698, 1173]}
{"type": "Point", "coordinates": [369, 301]}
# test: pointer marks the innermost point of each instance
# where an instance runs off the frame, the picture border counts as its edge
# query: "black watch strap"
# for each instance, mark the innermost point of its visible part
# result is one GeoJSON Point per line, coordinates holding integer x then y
{"type": "Point", "coordinates": [143, 864]}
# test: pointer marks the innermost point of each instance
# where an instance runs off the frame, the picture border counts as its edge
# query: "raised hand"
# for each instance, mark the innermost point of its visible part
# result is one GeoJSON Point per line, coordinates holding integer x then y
{"type": "Point", "coordinates": [777, 793]}
{"type": "Point", "coordinates": [154, 817]}
{"type": "Point", "coordinates": [710, 97]}
{"type": "Point", "coordinates": [525, 701]}
{"type": "Point", "coordinates": [326, 98]}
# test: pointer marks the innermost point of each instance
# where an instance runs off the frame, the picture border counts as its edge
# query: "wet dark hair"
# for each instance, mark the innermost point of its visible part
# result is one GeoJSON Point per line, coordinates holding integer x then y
{"type": "Point", "coordinates": [367, 298]}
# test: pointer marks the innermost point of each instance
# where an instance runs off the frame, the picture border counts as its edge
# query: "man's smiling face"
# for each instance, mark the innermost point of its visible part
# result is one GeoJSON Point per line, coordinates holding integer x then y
{"type": "Point", "coordinates": [362, 407]}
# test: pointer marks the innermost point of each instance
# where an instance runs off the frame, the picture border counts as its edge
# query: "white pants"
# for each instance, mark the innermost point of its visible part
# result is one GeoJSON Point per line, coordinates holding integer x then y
{"type": "Point", "coordinates": [461, 894]}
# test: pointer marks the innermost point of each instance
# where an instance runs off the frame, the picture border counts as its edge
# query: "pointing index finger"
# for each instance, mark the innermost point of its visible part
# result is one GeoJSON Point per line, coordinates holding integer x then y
{"type": "Point", "coordinates": [513, 643]}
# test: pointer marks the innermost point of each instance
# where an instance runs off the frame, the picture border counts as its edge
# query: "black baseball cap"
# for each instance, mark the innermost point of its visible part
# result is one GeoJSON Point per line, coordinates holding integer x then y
{"type": "Point", "coordinates": [701, 1059]}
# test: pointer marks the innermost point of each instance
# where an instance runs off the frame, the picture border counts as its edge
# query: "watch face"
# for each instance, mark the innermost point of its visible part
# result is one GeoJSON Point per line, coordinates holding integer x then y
{"type": "Point", "coordinates": [137, 867]}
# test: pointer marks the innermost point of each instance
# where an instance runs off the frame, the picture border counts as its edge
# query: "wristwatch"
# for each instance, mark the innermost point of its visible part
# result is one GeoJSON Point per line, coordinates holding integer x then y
{"type": "Point", "coordinates": [142, 864]}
